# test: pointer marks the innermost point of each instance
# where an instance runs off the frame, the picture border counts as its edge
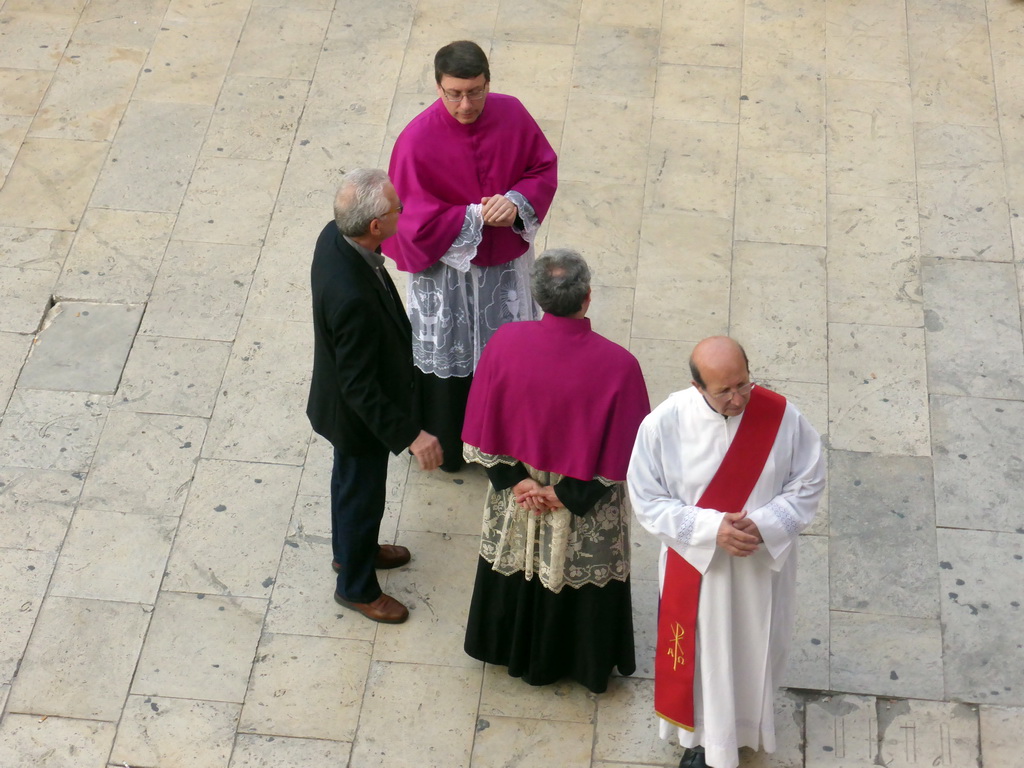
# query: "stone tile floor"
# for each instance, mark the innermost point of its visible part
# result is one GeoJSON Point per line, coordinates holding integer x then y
{"type": "Point", "coordinates": [838, 183]}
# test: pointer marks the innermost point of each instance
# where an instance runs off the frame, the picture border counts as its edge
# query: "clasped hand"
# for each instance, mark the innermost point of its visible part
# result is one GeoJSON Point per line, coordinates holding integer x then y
{"type": "Point", "coordinates": [498, 211]}
{"type": "Point", "coordinates": [536, 497]}
{"type": "Point", "coordinates": [738, 535]}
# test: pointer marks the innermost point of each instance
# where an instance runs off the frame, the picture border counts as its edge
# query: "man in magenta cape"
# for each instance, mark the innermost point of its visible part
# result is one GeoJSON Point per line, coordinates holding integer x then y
{"type": "Point", "coordinates": [476, 177]}
{"type": "Point", "coordinates": [552, 415]}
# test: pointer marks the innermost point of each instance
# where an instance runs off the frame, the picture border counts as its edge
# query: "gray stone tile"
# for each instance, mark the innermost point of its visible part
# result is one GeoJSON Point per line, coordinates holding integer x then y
{"type": "Point", "coordinates": [189, 59]}
{"type": "Point", "coordinates": [280, 285]}
{"type": "Point", "coordinates": [778, 309]}
{"type": "Point", "coordinates": [82, 347]}
{"type": "Point", "coordinates": [973, 329]}
{"type": "Point", "coordinates": [216, 635]}
{"type": "Point", "coordinates": [323, 151]}
{"type": "Point", "coordinates": [94, 560]}
{"type": "Point", "coordinates": [413, 699]}
{"type": "Point", "coordinates": [999, 727]}
{"type": "Point", "coordinates": [175, 733]}
{"type": "Point", "coordinates": [254, 751]}
{"type": "Point", "coordinates": [174, 376]}
{"type": "Point", "coordinates": [285, 699]}
{"type": "Point", "coordinates": [14, 348]}
{"type": "Point", "coordinates": [200, 291]}
{"type": "Point", "coordinates": [598, 143]}
{"type": "Point", "coordinates": [144, 463]}
{"type": "Point", "coordinates": [438, 502]}
{"type": "Point", "coordinates": [962, 192]}
{"type": "Point", "coordinates": [540, 742]}
{"type": "Point", "coordinates": [603, 224]}
{"type": "Point", "coordinates": [842, 732]}
{"type": "Point", "coordinates": [505, 696]}
{"type": "Point", "coordinates": [80, 660]}
{"type": "Point", "coordinates": [435, 587]}
{"type": "Point", "coordinates": [809, 654]}
{"type": "Point", "coordinates": [231, 532]}
{"type": "Point", "coordinates": [877, 390]}
{"type": "Point", "coordinates": [627, 728]}
{"type": "Point", "coordinates": [866, 40]}
{"type": "Point", "coordinates": [229, 201]}
{"type": "Point", "coordinates": [873, 260]}
{"type": "Point", "coordinates": [33, 40]}
{"type": "Point", "coordinates": [634, 51]}
{"type": "Point", "coordinates": [294, 33]}
{"type": "Point", "coordinates": [785, 37]}
{"type": "Point", "coordinates": [123, 23]}
{"type": "Point", "coordinates": [951, 72]}
{"type": "Point", "coordinates": [610, 313]}
{"type": "Point", "coordinates": [645, 624]}
{"type": "Point", "coordinates": [539, 74]}
{"type": "Point", "coordinates": [115, 256]}
{"type": "Point", "coordinates": [698, 93]}
{"type": "Point", "coordinates": [875, 501]}
{"type": "Point", "coordinates": [928, 733]}
{"type": "Point", "coordinates": [25, 295]}
{"type": "Point", "coordinates": [255, 118]}
{"type": "Point", "coordinates": [43, 249]}
{"type": "Point", "coordinates": [54, 742]}
{"type": "Point", "coordinates": [12, 133]}
{"type": "Point", "coordinates": [780, 197]}
{"type": "Point", "coordinates": [782, 110]}
{"type": "Point", "coordinates": [538, 21]}
{"type": "Point", "coordinates": [886, 655]}
{"type": "Point", "coordinates": [23, 584]}
{"type": "Point", "coordinates": [152, 157]}
{"type": "Point", "coordinates": [692, 168]}
{"type": "Point", "coordinates": [338, 92]}
{"type": "Point", "coordinates": [260, 412]}
{"type": "Point", "coordinates": [51, 430]}
{"type": "Point", "coordinates": [36, 507]}
{"type": "Point", "coordinates": [89, 92]}
{"type": "Point", "coordinates": [231, 12]}
{"type": "Point", "coordinates": [683, 295]}
{"type": "Point", "coordinates": [977, 471]}
{"type": "Point", "coordinates": [702, 32]}
{"type": "Point", "coordinates": [981, 574]}
{"type": "Point", "coordinates": [664, 363]}
{"type": "Point", "coordinates": [50, 182]}
{"type": "Point", "coordinates": [870, 139]}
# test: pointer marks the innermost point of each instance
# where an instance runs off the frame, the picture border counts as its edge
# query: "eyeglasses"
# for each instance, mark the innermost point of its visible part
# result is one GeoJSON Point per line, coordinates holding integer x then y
{"type": "Point", "coordinates": [743, 390]}
{"type": "Point", "coordinates": [455, 96]}
{"type": "Point", "coordinates": [397, 210]}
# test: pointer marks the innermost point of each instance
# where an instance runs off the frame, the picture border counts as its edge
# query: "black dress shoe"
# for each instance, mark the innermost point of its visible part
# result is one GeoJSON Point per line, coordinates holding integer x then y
{"type": "Point", "coordinates": [693, 758]}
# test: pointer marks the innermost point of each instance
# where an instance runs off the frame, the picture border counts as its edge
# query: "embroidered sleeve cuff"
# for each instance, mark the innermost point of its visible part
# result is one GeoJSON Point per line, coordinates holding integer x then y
{"type": "Point", "coordinates": [526, 214]}
{"type": "Point", "coordinates": [463, 250]}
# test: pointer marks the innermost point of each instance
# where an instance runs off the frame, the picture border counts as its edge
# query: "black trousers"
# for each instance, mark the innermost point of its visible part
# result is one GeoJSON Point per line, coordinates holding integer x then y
{"type": "Point", "coordinates": [358, 489]}
{"type": "Point", "coordinates": [443, 410]}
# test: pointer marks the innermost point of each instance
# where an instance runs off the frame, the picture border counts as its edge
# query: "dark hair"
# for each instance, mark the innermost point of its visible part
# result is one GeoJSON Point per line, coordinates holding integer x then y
{"type": "Point", "coordinates": [695, 371]}
{"type": "Point", "coordinates": [560, 281]}
{"type": "Point", "coordinates": [463, 59]}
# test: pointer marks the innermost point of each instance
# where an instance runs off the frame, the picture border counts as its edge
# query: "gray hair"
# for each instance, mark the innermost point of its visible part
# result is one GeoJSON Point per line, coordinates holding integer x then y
{"type": "Point", "coordinates": [560, 281]}
{"type": "Point", "coordinates": [360, 200]}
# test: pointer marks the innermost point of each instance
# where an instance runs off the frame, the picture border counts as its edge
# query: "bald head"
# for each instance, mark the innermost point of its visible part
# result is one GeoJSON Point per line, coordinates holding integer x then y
{"type": "Point", "coordinates": [719, 367]}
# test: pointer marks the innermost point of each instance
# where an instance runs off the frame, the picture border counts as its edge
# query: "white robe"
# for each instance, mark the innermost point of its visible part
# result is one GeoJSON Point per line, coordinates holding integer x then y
{"type": "Point", "coordinates": [745, 619]}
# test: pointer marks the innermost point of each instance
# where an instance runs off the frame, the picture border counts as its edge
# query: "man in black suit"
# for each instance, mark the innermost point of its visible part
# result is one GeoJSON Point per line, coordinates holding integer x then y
{"type": "Point", "coordinates": [364, 385]}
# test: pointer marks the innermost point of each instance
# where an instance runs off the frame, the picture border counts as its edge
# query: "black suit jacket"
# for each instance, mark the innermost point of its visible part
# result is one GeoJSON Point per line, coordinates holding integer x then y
{"type": "Point", "coordinates": [364, 384]}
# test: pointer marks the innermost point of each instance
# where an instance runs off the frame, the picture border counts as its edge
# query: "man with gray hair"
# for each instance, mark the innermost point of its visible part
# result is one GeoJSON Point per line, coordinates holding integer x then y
{"type": "Point", "coordinates": [363, 390]}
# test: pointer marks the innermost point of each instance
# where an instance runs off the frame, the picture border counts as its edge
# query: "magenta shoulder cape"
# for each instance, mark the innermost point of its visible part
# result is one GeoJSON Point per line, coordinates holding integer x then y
{"type": "Point", "coordinates": [439, 166]}
{"type": "Point", "coordinates": [559, 397]}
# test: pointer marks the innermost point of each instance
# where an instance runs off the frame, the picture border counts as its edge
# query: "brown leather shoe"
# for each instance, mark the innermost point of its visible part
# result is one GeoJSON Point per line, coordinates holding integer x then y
{"type": "Point", "coordinates": [384, 609]}
{"type": "Point", "coordinates": [389, 556]}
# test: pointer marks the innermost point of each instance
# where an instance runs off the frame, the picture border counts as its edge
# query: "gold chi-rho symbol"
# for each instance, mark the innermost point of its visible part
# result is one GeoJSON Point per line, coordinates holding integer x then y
{"type": "Point", "coordinates": [675, 650]}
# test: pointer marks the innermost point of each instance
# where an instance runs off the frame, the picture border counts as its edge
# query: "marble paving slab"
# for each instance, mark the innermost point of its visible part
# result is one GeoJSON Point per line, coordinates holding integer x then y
{"type": "Point", "coordinates": [25, 296]}
{"type": "Point", "coordinates": [255, 118]}
{"type": "Point", "coordinates": [82, 347]}
{"type": "Point", "coordinates": [286, 699]}
{"type": "Point", "coordinates": [692, 168]}
{"type": "Point", "coordinates": [280, 284]}
{"type": "Point", "coordinates": [538, 21]}
{"type": "Point", "coordinates": [597, 143]}
{"type": "Point", "coordinates": [14, 348]}
{"type": "Point", "coordinates": [505, 696]}
{"type": "Point", "coordinates": [539, 74]}
{"type": "Point", "coordinates": [627, 728]}
{"type": "Point", "coordinates": [876, 500]}
{"type": "Point", "coordinates": [23, 585]}
{"type": "Point", "coordinates": [188, 62]}
{"type": "Point", "coordinates": [951, 72]}
{"type": "Point", "coordinates": [999, 727]}
{"type": "Point", "coordinates": [257, 751]}
{"type": "Point", "coordinates": [33, 40]}
{"type": "Point", "coordinates": [782, 111]}
{"type": "Point", "coordinates": [866, 40]}
{"type": "Point", "coordinates": [977, 467]}
{"type": "Point", "coordinates": [54, 742]}
{"type": "Point", "coordinates": [973, 306]}
{"type": "Point", "coordinates": [789, 735]}
{"type": "Point", "coordinates": [916, 733]}
{"type": "Point", "coordinates": [218, 635]}
{"type": "Point", "coordinates": [123, 23]}
{"type": "Point", "coordinates": [152, 157]}
{"type": "Point", "coordinates": [230, 537]}
{"type": "Point", "coordinates": [175, 733]}
{"type": "Point", "coordinates": [27, 248]}
{"type": "Point", "coordinates": [338, 92]}
{"type": "Point", "coordinates": [697, 93]}
{"type": "Point", "coordinates": [80, 660]}
{"type": "Point", "coordinates": [780, 197]}
{"type": "Point", "coordinates": [702, 32]}
{"type": "Point", "coordinates": [539, 742]}
{"type": "Point", "coordinates": [981, 575]}
{"type": "Point", "coordinates": [809, 655]}
{"type": "Point", "coordinates": [645, 625]}
{"type": "Point", "coordinates": [51, 430]}
{"type": "Point", "coordinates": [842, 732]}
{"type": "Point", "coordinates": [296, 35]}
{"type": "Point", "coordinates": [36, 507]}
{"type": "Point", "coordinates": [439, 502]}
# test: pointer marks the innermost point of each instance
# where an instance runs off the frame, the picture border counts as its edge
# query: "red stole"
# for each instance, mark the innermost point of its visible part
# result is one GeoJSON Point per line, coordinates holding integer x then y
{"type": "Point", "coordinates": [677, 612]}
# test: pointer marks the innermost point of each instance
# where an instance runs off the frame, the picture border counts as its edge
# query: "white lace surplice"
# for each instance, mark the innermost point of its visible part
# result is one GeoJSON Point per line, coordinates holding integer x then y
{"type": "Point", "coordinates": [558, 547]}
{"type": "Point", "coordinates": [455, 306]}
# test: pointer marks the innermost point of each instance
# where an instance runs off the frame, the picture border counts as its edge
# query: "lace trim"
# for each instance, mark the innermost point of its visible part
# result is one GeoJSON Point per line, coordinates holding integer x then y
{"type": "Point", "coordinates": [474, 454]}
{"type": "Point", "coordinates": [785, 516]}
{"type": "Point", "coordinates": [463, 250]}
{"type": "Point", "coordinates": [685, 532]}
{"type": "Point", "coordinates": [529, 216]}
